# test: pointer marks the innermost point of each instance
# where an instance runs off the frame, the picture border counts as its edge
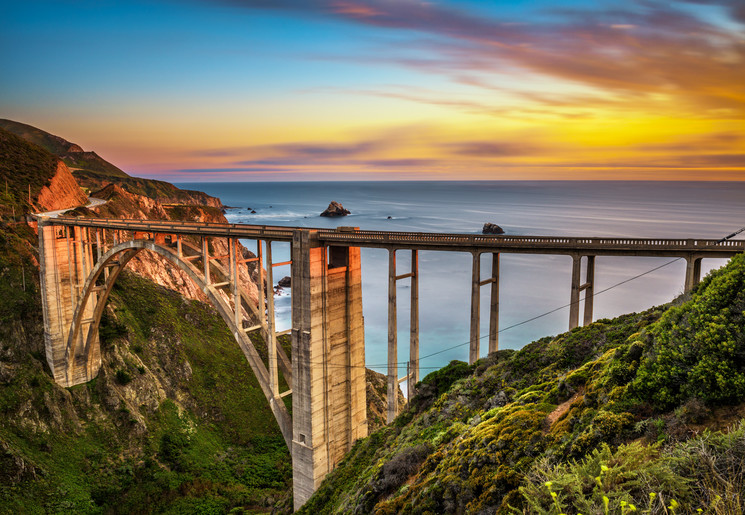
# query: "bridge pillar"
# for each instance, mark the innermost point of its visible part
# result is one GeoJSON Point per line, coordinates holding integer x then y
{"type": "Point", "coordinates": [588, 287]}
{"type": "Point", "coordinates": [574, 297]}
{"type": "Point", "coordinates": [329, 408]}
{"type": "Point", "coordinates": [693, 272]}
{"type": "Point", "coordinates": [63, 259]}
{"type": "Point", "coordinates": [413, 372]}
{"type": "Point", "coordinates": [494, 305]}
{"type": "Point", "coordinates": [476, 284]}
{"type": "Point", "coordinates": [473, 349]}
{"type": "Point", "coordinates": [392, 390]}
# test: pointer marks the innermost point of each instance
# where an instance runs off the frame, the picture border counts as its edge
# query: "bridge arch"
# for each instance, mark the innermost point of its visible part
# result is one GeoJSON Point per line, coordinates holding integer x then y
{"type": "Point", "coordinates": [114, 260]}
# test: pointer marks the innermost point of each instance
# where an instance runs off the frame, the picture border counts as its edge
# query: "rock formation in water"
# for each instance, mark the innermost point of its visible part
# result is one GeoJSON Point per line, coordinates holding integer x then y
{"type": "Point", "coordinates": [335, 209]}
{"type": "Point", "coordinates": [490, 228]}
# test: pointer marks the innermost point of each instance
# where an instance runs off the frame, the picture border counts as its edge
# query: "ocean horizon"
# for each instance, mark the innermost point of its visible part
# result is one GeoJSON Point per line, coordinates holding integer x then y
{"type": "Point", "coordinates": [531, 285]}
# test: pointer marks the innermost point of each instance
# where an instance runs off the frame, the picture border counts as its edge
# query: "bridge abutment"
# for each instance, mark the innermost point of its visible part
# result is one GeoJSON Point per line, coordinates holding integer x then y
{"type": "Point", "coordinates": [65, 258]}
{"type": "Point", "coordinates": [329, 407]}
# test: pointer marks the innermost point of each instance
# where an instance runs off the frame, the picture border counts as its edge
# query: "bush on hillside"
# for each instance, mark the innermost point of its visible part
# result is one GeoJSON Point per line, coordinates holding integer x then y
{"type": "Point", "coordinates": [697, 350]}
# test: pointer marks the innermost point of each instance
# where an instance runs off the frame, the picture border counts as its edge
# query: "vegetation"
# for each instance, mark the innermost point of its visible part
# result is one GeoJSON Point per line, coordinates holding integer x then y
{"type": "Point", "coordinates": [602, 419]}
{"type": "Point", "coordinates": [175, 422]}
{"type": "Point", "coordinates": [24, 168]}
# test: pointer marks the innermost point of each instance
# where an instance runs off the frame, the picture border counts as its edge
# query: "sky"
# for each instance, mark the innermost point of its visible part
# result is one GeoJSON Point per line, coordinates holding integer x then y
{"type": "Point", "coordinates": [278, 90]}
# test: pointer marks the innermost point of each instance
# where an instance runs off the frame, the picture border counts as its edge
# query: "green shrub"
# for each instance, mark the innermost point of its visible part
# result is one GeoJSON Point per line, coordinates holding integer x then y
{"type": "Point", "coordinates": [123, 377]}
{"type": "Point", "coordinates": [698, 349]}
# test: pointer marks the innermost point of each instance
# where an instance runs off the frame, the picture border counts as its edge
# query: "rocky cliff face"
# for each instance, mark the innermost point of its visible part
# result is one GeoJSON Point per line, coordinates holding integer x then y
{"type": "Point", "coordinates": [62, 192]}
{"type": "Point", "coordinates": [123, 204]}
{"type": "Point", "coordinates": [377, 400]}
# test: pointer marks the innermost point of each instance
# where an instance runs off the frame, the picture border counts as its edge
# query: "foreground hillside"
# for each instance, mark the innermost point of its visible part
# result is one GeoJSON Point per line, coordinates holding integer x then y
{"type": "Point", "coordinates": [639, 413]}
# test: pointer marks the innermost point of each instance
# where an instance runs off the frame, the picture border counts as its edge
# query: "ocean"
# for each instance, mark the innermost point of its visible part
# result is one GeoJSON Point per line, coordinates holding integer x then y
{"type": "Point", "coordinates": [530, 284]}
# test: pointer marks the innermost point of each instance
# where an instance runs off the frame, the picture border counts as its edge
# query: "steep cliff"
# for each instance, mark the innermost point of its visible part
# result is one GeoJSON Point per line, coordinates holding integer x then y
{"type": "Point", "coordinates": [62, 192]}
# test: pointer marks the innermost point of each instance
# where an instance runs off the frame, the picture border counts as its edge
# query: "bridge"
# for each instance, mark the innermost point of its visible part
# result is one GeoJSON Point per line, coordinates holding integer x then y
{"type": "Point", "coordinates": [80, 260]}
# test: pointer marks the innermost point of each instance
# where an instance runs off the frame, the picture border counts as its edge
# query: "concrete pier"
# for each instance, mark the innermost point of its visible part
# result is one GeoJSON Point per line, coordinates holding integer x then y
{"type": "Point", "coordinates": [63, 257]}
{"type": "Point", "coordinates": [693, 272]}
{"type": "Point", "coordinates": [473, 349]}
{"type": "Point", "coordinates": [328, 356]}
{"type": "Point", "coordinates": [577, 288]}
{"type": "Point", "coordinates": [476, 284]}
{"type": "Point", "coordinates": [392, 339]}
{"type": "Point", "coordinates": [412, 374]}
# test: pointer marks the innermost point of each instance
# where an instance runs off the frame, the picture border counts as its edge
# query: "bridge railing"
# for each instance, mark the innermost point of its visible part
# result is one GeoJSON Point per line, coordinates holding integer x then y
{"type": "Point", "coordinates": [395, 238]}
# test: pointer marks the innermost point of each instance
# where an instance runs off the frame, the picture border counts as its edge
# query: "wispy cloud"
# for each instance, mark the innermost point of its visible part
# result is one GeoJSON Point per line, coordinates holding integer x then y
{"type": "Point", "coordinates": [652, 48]}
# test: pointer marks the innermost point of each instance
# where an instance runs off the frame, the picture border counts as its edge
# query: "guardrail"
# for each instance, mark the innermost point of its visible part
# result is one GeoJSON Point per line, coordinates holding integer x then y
{"type": "Point", "coordinates": [409, 239]}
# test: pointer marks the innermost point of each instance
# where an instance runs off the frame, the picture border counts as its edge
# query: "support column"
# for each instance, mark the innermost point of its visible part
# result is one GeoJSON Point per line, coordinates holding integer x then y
{"type": "Point", "coordinates": [392, 337]}
{"type": "Point", "coordinates": [413, 372]}
{"type": "Point", "coordinates": [589, 288]}
{"type": "Point", "coordinates": [262, 304]}
{"type": "Point", "coordinates": [238, 315]}
{"type": "Point", "coordinates": [206, 259]}
{"type": "Point", "coordinates": [473, 352]}
{"type": "Point", "coordinates": [99, 250]}
{"type": "Point", "coordinates": [494, 305]}
{"type": "Point", "coordinates": [574, 297]}
{"type": "Point", "coordinates": [328, 358]}
{"type": "Point", "coordinates": [271, 340]}
{"type": "Point", "coordinates": [693, 272]}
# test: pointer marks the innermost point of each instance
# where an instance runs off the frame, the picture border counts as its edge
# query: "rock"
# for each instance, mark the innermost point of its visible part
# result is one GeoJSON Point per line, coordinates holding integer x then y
{"type": "Point", "coordinates": [490, 228]}
{"type": "Point", "coordinates": [253, 211]}
{"type": "Point", "coordinates": [285, 282]}
{"type": "Point", "coordinates": [335, 209]}
{"type": "Point", "coordinates": [390, 218]}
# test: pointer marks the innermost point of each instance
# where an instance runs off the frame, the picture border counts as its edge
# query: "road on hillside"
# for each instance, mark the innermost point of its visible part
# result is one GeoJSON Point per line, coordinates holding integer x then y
{"type": "Point", "coordinates": [92, 202]}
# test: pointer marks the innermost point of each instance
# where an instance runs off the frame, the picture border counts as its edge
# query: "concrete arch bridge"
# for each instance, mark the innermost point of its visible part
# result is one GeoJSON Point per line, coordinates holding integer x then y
{"type": "Point", "coordinates": [80, 260]}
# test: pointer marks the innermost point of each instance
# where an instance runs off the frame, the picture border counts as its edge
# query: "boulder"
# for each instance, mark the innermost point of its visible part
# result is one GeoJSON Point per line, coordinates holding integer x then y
{"type": "Point", "coordinates": [490, 228]}
{"type": "Point", "coordinates": [285, 282]}
{"type": "Point", "coordinates": [335, 209]}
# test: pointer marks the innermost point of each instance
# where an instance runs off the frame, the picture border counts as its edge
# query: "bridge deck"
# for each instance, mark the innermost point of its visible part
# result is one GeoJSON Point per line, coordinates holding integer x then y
{"type": "Point", "coordinates": [433, 241]}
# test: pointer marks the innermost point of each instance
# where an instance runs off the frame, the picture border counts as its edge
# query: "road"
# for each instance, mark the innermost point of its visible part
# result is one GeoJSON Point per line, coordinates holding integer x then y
{"type": "Point", "coordinates": [92, 202]}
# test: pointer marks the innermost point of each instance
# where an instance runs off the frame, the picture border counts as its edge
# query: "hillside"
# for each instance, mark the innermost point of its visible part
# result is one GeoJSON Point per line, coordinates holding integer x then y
{"type": "Point", "coordinates": [644, 410]}
{"type": "Point", "coordinates": [94, 173]}
{"type": "Point", "coordinates": [73, 155]}
{"type": "Point", "coordinates": [32, 179]}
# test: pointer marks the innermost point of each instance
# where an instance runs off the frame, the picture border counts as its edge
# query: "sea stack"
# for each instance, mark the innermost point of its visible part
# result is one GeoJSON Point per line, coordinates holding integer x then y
{"type": "Point", "coordinates": [335, 209]}
{"type": "Point", "coordinates": [490, 228]}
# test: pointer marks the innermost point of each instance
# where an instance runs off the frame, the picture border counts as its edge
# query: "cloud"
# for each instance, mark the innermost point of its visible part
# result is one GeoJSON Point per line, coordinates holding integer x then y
{"type": "Point", "coordinates": [699, 143]}
{"type": "Point", "coordinates": [654, 49]}
{"type": "Point", "coordinates": [494, 149]}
